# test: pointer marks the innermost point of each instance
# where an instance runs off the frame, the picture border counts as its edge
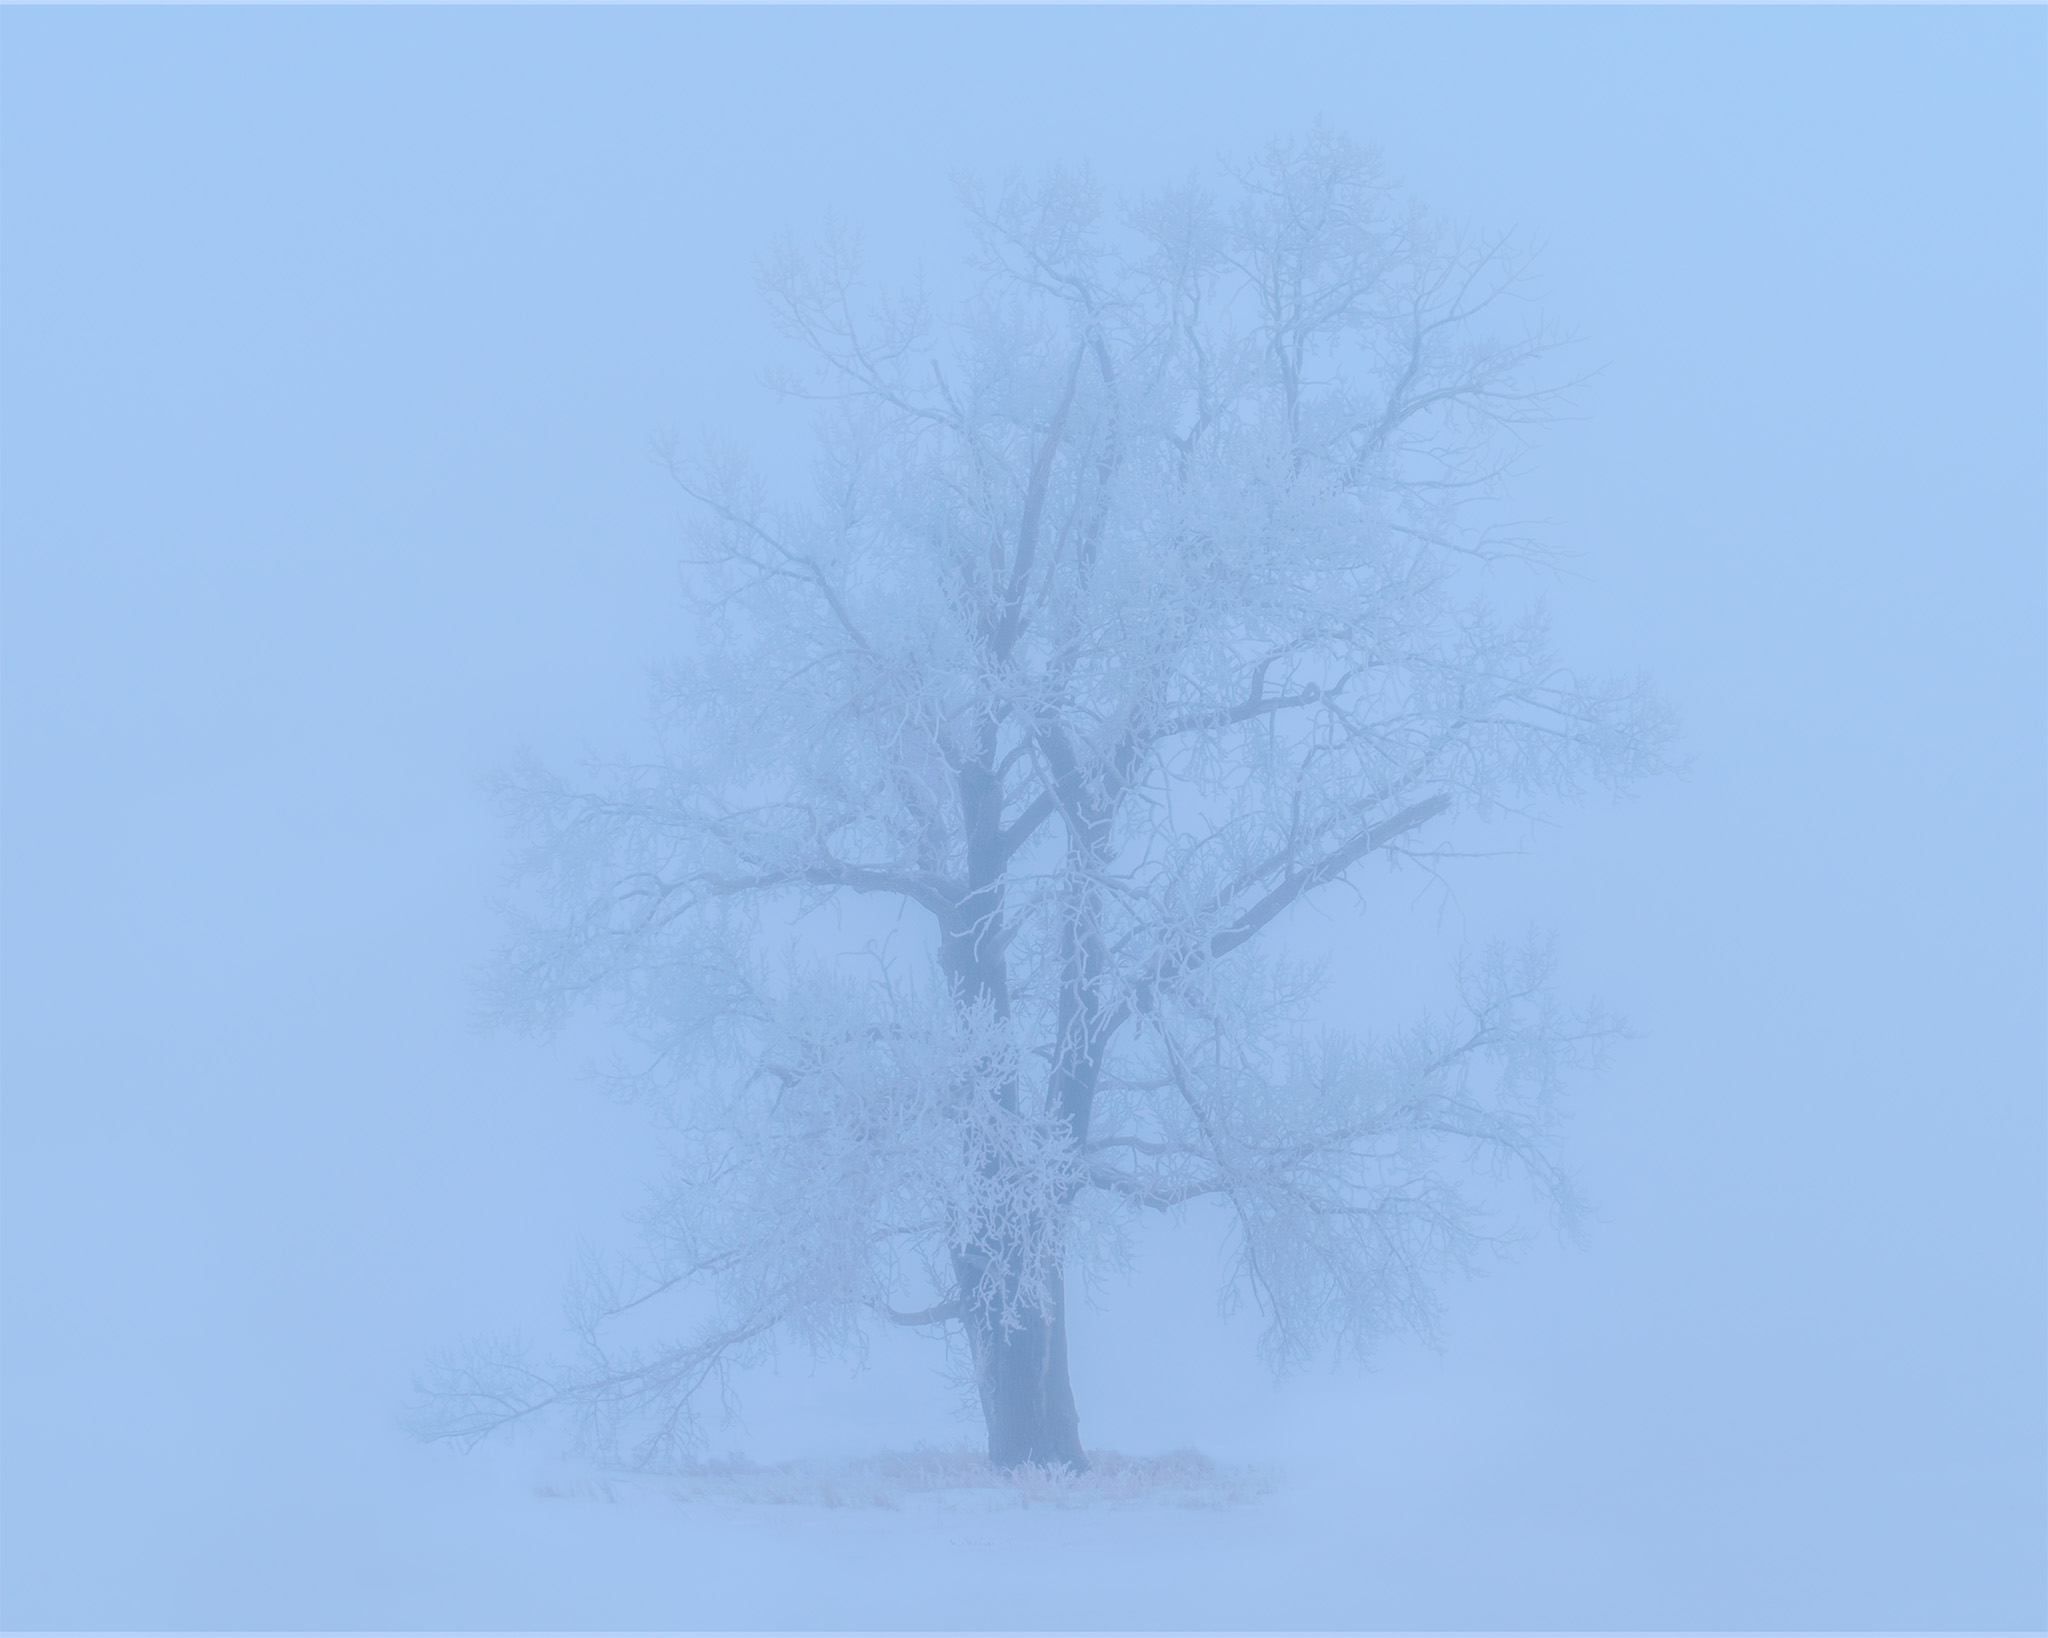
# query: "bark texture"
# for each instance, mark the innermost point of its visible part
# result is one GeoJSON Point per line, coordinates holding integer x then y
{"type": "Point", "coordinates": [1027, 1398]}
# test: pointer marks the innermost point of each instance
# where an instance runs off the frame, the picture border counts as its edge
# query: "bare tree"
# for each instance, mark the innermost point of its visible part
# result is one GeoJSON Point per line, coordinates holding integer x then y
{"type": "Point", "coordinates": [1127, 609]}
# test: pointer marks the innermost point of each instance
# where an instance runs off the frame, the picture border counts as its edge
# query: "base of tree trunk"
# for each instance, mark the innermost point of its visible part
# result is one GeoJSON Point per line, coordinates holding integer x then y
{"type": "Point", "coordinates": [1027, 1398]}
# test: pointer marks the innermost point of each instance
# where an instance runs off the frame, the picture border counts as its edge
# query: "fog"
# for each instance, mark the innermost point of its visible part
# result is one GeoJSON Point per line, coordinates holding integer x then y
{"type": "Point", "coordinates": [332, 349]}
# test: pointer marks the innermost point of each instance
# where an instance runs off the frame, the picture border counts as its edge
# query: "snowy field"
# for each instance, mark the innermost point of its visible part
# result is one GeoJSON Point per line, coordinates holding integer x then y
{"type": "Point", "coordinates": [1521, 1480]}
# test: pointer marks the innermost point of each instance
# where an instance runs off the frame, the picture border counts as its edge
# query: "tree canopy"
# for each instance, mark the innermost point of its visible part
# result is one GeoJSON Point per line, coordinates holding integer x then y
{"type": "Point", "coordinates": [1129, 605]}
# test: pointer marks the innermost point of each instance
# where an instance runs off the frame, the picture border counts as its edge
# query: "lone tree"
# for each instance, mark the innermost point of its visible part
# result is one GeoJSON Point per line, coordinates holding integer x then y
{"type": "Point", "coordinates": [1126, 609]}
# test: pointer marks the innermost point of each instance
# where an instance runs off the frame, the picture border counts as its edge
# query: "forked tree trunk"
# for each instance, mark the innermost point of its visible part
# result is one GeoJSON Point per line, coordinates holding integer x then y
{"type": "Point", "coordinates": [1027, 1398]}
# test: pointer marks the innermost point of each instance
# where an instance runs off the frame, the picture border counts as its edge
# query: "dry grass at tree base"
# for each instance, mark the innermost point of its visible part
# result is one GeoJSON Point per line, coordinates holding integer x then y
{"type": "Point", "coordinates": [957, 1478]}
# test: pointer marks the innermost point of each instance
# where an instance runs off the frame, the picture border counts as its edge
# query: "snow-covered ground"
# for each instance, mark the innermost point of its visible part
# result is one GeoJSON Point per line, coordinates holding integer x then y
{"type": "Point", "coordinates": [834, 1546]}
{"type": "Point", "coordinates": [1518, 1480]}
{"type": "Point", "coordinates": [944, 1479]}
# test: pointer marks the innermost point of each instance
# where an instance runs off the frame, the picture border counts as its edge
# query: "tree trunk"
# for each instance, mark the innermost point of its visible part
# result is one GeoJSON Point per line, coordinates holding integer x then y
{"type": "Point", "coordinates": [1027, 1399]}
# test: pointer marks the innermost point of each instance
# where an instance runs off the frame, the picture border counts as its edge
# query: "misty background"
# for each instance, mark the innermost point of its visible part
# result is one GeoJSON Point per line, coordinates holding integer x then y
{"type": "Point", "coordinates": [331, 349]}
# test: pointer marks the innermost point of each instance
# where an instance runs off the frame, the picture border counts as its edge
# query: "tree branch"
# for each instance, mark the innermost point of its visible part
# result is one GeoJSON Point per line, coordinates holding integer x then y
{"type": "Point", "coordinates": [937, 1314]}
{"type": "Point", "coordinates": [935, 893]}
{"type": "Point", "coordinates": [1328, 868]}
